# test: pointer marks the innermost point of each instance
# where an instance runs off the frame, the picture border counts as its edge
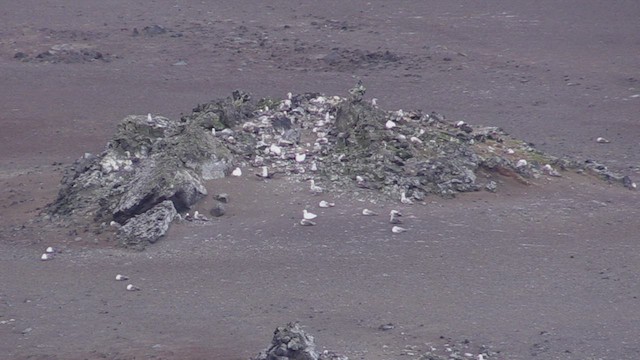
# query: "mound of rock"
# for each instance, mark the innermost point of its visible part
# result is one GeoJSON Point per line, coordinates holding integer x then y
{"type": "Point", "coordinates": [290, 342]}
{"type": "Point", "coordinates": [155, 167]}
{"type": "Point", "coordinates": [152, 169]}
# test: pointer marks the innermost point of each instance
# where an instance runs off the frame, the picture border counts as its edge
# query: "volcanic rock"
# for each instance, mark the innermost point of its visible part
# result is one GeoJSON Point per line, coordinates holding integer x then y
{"type": "Point", "coordinates": [290, 342]}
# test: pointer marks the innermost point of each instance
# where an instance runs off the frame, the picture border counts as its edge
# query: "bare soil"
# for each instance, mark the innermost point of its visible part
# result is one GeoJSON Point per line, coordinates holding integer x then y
{"type": "Point", "coordinates": [546, 271]}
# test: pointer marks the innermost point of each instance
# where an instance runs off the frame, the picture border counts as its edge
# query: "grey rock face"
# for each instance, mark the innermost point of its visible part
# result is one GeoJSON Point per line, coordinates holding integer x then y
{"type": "Point", "coordinates": [147, 227]}
{"type": "Point", "coordinates": [292, 343]}
{"type": "Point", "coordinates": [150, 161]}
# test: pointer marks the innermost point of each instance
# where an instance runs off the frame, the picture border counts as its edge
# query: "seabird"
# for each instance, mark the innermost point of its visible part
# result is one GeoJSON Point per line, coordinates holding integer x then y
{"type": "Point", "coordinates": [326, 204]}
{"type": "Point", "coordinates": [45, 257]}
{"type": "Point", "coordinates": [314, 166]}
{"type": "Point", "coordinates": [307, 215]}
{"type": "Point", "coordinates": [521, 163]}
{"type": "Point", "coordinates": [374, 102]}
{"type": "Point", "coordinates": [393, 217]}
{"type": "Point", "coordinates": [398, 229]}
{"type": "Point", "coordinates": [264, 174]}
{"type": "Point", "coordinates": [198, 216]}
{"type": "Point", "coordinates": [50, 250]}
{"type": "Point", "coordinates": [149, 117]}
{"type": "Point", "coordinates": [275, 150]}
{"type": "Point", "coordinates": [305, 222]}
{"type": "Point", "coordinates": [120, 277]}
{"type": "Point", "coordinates": [315, 188]}
{"type": "Point", "coordinates": [300, 157]}
{"type": "Point", "coordinates": [361, 182]}
{"type": "Point", "coordinates": [131, 287]}
{"type": "Point", "coordinates": [236, 172]}
{"type": "Point", "coordinates": [390, 124]}
{"type": "Point", "coordinates": [404, 199]}
{"type": "Point", "coordinates": [367, 212]}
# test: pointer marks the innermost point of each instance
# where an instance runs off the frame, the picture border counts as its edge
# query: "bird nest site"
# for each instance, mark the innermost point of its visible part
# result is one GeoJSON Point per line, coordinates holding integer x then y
{"type": "Point", "coordinates": [155, 169]}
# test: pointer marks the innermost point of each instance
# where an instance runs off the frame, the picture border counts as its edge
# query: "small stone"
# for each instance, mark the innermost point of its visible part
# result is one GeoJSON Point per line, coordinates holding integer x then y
{"type": "Point", "coordinates": [223, 197]}
{"type": "Point", "coordinates": [491, 186]}
{"type": "Point", "coordinates": [217, 210]}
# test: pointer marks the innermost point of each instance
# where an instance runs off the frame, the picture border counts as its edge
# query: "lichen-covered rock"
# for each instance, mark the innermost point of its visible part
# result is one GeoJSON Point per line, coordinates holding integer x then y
{"type": "Point", "coordinates": [290, 342]}
{"type": "Point", "coordinates": [150, 160]}
{"type": "Point", "coordinates": [147, 227]}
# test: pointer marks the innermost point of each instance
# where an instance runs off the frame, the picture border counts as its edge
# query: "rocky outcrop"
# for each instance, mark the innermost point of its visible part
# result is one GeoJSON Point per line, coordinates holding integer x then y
{"type": "Point", "coordinates": [151, 169]}
{"type": "Point", "coordinates": [290, 342]}
{"type": "Point", "coordinates": [147, 227]}
{"type": "Point", "coordinates": [340, 143]}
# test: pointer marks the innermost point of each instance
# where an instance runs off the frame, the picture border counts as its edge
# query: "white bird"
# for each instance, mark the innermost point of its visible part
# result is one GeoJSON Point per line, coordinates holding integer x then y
{"type": "Point", "coordinates": [213, 131]}
{"type": "Point", "coordinates": [327, 117]}
{"type": "Point", "coordinates": [198, 216]}
{"type": "Point", "coordinates": [149, 118]}
{"type": "Point", "coordinates": [314, 166]}
{"type": "Point", "coordinates": [374, 102]}
{"type": "Point", "coordinates": [398, 229]}
{"type": "Point", "coordinates": [393, 217]}
{"type": "Point", "coordinates": [236, 172]}
{"type": "Point", "coordinates": [367, 212]}
{"type": "Point", "coordinates": [404, 199]}
{"type": "Point", "coordinates": [289, 95]}
{"type": "Point", "coordinates": [390, 124]}
{"type": "Point", "coordinates": [307, 215]}
{"type": "Point", "coordinates": [326, 204]}
{"type": "Point", "coordinates": [602, 140]}
{"type": "Point", "coordinates": [46, 257]}
{"type": "Point", "coordinates": [50, 250]}
{"type": "Point", "coordinates": [305, 222]}
{"type": "Point", "coordinates": [264, 173]}
{"type": "Point", "coordinates": [120, 277]}
{"type": "Point", "coordinates": [275, 150]}
{"type": "Point", "coordinates": [521, 163]}
{"type": "Point", "coordinates": [300, 157]}
{"type": "Point", "coordinates": [131, 287]}
{"type": "Point", "coordinates": [314, 188]}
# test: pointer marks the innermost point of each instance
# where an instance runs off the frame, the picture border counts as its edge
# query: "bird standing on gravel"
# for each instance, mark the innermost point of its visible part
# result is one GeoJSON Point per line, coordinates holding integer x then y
{"type": "Point", "coordinates": [307, 215]}
{"type": "Point", "coordinates": [404, 199]}
{"type": "Point", "coordinates": [314, 188]}
{"type": "Point", "coordinates": [398, 229]}
{"type": "Point", "coordinates": [394, 217]}
{"type": "Point", "coordinates": [367, 212]}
